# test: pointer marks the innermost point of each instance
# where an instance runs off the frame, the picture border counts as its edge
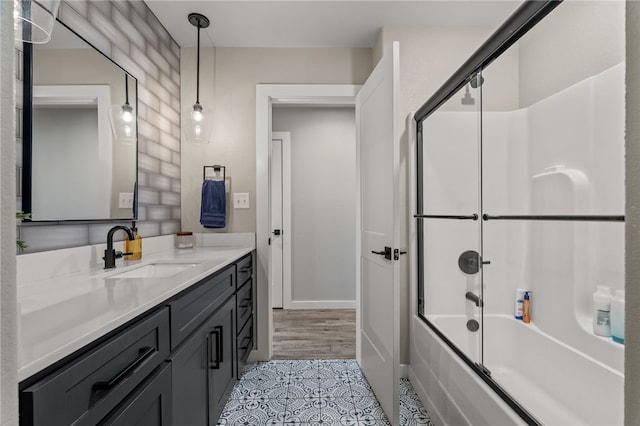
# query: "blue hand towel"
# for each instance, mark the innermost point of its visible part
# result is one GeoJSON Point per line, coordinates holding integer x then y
{"type": "Point", "coordinates": [213, 206]}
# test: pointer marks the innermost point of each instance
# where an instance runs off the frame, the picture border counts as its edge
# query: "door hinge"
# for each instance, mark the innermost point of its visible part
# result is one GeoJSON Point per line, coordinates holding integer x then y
{"type": "Point", "coordinates": [397, 253]}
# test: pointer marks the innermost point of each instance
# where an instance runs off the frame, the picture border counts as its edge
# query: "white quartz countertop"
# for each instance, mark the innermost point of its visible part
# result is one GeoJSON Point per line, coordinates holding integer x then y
{"type": "Point", "coordinates": [63, 314]}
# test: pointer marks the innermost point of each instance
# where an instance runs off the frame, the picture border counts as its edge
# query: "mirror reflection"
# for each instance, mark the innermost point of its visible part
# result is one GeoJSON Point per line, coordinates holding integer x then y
{"type": "Point", "coordinates": [83, 158]}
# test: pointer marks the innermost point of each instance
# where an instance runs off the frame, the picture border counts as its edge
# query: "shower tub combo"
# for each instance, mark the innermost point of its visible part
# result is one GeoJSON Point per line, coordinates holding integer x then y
{"type": "Point", "coordinates": [521, 190]}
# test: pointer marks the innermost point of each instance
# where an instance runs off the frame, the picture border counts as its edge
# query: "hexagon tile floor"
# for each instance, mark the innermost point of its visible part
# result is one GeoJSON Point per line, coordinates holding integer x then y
{"type": "Point", "coordinates": [313, 393]}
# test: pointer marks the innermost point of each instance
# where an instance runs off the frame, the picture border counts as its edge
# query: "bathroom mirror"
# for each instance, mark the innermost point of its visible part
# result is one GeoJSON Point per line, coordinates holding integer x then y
{"type": "Point", "coordinates": [74, 165]}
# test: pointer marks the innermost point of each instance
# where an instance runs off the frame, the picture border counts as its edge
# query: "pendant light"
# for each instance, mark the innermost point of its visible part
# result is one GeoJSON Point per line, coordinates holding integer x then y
{"type": "Point", "coordinates": [33, 20]}
{"type": "Point", "coordinates": [196, 119]}
{"type": "Point", "coordinates": [123, 118]}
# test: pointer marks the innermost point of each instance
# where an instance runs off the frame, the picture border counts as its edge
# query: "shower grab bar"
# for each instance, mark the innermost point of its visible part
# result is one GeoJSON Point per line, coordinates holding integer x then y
{"type": "Point", "coordinates": [576, 218]}
{"type": "Point", "coordinates": [440, 216]}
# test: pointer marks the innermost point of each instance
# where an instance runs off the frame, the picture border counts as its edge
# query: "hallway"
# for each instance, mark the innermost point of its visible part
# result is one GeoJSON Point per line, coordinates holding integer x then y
{"type": "Point", "coordinates": [314, 333]}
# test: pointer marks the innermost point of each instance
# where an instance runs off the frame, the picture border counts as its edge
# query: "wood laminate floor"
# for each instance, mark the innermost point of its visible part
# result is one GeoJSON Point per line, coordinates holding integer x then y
{"type": "Point", "coordinates": [314, 333]}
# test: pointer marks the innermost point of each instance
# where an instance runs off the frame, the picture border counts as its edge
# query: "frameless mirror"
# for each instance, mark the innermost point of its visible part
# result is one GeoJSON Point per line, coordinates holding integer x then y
{"type": "Point", "coordinates": [77, 162]}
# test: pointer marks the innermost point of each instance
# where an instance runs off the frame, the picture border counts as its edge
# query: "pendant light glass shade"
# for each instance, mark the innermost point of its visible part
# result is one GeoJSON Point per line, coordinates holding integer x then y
{"type": "Point", "coordinates": [196, 121]}
{"type": "Point", "coordinates": [123, 119]}
{"type": "Point", "coordinates": [33, 20]}
{"type": "Point", "coordinates": [196, 118]}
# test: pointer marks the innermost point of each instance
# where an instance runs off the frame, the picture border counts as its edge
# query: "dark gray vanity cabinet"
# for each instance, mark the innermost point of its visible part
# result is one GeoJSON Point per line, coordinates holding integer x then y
{"type": "Point", "coordinates": [174, 366]}
{"type": "Point", "coordinates": [244, 311]}
{"type": "Point", "coordinates": [208, 363]}
{"type": "Point", "coordinates": [87, 389]}
{"type": "Point", "coordinates": [204, 369]}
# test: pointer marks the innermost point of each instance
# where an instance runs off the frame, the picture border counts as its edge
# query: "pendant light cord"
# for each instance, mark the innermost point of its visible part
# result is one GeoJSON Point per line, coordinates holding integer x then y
{"type": "Point", "coordinates": [126, 89]}
{"type": "Point", "coordinates": [198, 68]}
{"type": "Point", "coordinates": [199, 21]}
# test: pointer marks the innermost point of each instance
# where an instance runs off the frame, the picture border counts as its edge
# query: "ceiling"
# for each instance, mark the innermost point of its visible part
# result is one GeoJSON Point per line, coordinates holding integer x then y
{"type": "Point", "coordinates": [319, 23]}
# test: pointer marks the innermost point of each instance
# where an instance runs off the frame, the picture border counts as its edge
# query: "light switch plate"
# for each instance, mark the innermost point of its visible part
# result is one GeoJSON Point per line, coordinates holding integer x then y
{"type": "Point", "coordinates": [125, 200]}
{"type": "Point", "coordinates": [240, 200]}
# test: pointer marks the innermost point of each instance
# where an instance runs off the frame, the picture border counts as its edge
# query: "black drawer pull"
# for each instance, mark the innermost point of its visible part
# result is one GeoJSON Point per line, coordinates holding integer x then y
{"type": "Point", "coordinates": [218, 338]}
{"type": "Point", "coordinates": [246, 269]}
{"type": "Point", "coordinates": [143, 355]}
{"type": "Point", "coordinates": [247, 302]}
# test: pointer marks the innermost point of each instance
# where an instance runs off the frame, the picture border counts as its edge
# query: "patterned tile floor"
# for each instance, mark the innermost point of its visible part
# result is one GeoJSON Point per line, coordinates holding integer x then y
{"type": "Point", "coordinates": [313, 392]}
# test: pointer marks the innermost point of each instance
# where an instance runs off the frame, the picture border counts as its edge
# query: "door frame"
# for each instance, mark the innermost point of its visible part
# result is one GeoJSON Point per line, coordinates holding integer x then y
{"type": "Point", "coordinates": [287, 94]}
{"type": "Point", "coordinates": [285, 138]}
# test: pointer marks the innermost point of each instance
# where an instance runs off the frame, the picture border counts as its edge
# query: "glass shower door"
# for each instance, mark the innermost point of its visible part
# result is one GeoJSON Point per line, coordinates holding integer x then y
{"type": "Point", "coordinates": [449, 207]}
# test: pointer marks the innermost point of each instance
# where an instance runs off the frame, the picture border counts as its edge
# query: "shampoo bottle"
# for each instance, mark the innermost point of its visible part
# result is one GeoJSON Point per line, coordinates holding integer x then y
{"type": "Point", "coordinates": [133, 246]}
{"type": "Point", "coordinates": [517, 310]}
{"type": "Point", "coordinates": [602, 311]}
{"type": "Point", "coordinates": [617, 317]}
{"type": "Point", "coordinates": [526, 305]}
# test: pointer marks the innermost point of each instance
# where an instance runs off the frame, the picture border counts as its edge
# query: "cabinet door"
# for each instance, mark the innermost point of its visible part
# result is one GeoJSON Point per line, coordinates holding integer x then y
{"type": "Point", "coordinates": [221, 362]}
{"type": "Point", "coordinates": [190, 381]}
{"type": "Point", "coordinates": [149, 405]}
{"type": "Point", "coordinates": [203, 370]}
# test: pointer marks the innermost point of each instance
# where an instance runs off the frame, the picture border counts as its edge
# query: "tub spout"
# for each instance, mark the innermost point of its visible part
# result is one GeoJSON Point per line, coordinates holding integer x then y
{"type": "Point", "coordinates": [474, 298]}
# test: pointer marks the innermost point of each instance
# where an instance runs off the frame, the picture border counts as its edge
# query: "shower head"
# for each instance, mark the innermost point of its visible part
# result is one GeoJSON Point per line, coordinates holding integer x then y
{"type": "Point", "coordinates": [467, 99]}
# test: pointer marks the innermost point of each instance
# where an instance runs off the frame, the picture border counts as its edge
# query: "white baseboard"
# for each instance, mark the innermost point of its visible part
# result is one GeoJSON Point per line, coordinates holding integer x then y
{"type": "Point", "coordinates": [404, 371]}
{"type": "Point", "coordinates": [322, 304]}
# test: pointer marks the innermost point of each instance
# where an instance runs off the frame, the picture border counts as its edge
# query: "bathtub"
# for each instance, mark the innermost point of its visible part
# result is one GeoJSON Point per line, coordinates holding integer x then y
{"type": "Point", "coordinates": [574, 389]}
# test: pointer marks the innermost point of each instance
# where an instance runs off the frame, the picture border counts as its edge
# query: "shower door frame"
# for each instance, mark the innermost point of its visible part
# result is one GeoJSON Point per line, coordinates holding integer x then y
{"type": "Point", "coordinates": [519, 23]}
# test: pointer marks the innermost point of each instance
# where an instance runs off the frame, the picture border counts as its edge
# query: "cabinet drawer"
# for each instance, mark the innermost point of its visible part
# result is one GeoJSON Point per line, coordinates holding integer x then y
{"type": "Point", "coordinates": [245, 341]}
{"type": "Point", "coordinates": [244, 304]}
{"type": "Point", "coordinates": [85, 390]}
{"type": "Point", "coordinates": [149, 405]}
{"type": "Point", "coordinates": [190, 309]}
{"type": "Point", "coordinates": [245, 269]}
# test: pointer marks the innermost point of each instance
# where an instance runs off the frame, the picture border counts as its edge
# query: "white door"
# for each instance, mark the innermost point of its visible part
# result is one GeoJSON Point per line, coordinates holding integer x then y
{"type": "Point", "coordinates": [379, 153]}
{"type": "Point", "coordinates": [280, 224]}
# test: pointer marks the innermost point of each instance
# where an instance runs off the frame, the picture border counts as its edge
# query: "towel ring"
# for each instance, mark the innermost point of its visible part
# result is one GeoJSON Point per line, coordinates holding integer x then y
{"type": "Point", "coordinates": [216, 169]}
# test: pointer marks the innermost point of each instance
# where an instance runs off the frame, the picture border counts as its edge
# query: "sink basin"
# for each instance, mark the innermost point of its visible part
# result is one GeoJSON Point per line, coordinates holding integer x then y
{"type": "Point", "coordinates": [155, 270]}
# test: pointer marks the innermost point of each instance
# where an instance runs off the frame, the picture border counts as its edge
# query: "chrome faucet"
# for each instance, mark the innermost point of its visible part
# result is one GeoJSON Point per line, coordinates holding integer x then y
{"type": "Point", "coordinates": [474, 298]}
{"type": "Point", "coordinates": [110, 255]}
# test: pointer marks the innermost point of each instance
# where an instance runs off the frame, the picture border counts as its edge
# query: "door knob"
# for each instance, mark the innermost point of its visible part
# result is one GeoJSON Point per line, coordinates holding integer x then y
{"type": "Point", "coordinates": [386, 253]}
{"type": "Point", "coordinates": [276, 232]}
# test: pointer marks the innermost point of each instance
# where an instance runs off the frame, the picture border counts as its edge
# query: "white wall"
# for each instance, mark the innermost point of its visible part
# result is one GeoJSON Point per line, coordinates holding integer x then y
{"type": "Point", "coordinates": [228, 79]}
{"type": "Point", "coordinates": [577, 40]}
{"type": "Point", "coordinates": [323, 201]}
{"type": "Point", "coordinates": [8, 292]}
